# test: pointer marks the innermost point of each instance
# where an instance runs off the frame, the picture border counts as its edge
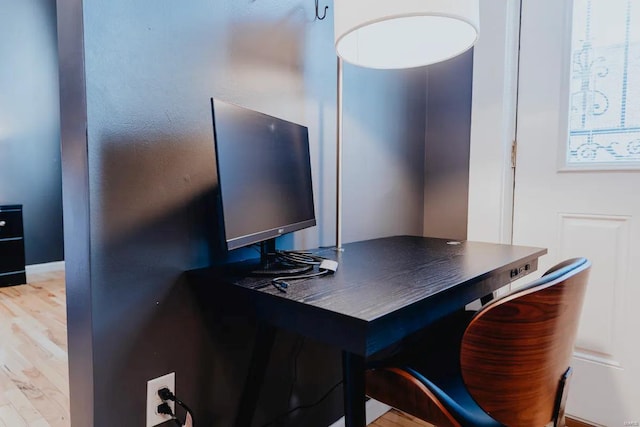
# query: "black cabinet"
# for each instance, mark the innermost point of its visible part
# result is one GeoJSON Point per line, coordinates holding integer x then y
{"type": "Point", "coordinates": [11, 246]}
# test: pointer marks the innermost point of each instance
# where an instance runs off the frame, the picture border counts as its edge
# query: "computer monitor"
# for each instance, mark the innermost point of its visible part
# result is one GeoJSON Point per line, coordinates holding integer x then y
{"type": "Point", "coordinates": [264, 175]}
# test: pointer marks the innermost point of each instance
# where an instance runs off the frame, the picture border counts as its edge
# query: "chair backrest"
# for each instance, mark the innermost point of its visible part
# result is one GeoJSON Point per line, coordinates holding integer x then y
{"type": "Point", "coordinates": [516, 349]}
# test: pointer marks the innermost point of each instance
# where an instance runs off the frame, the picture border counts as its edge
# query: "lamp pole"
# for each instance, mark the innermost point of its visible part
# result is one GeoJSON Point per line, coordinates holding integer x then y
{"type": "Point", "coordinates": [339, 158]}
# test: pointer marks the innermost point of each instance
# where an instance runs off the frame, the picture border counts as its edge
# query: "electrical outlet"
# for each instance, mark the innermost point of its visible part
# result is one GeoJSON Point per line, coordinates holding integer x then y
{"type": "Point", "coordinates": [153, 400]}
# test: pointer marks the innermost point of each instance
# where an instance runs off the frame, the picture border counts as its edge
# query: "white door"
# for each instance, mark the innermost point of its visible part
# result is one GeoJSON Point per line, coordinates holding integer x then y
{"type": "Point", "coordinates": [577, 182]}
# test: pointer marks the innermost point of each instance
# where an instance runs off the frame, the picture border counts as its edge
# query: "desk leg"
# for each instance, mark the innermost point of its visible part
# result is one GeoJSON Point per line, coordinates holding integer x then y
{"type": "Point", "coordinates": [265, 336]}
{"type": "Point", "coordinates": [353, 367]}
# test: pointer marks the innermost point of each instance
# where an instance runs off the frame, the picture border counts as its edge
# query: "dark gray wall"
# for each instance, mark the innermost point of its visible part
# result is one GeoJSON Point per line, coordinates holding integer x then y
{"type": "Point", "coordinates": [139, 186]}
{"type": "Point", "coordinates": [383, 181]}
{"type": "Point", "coordinates": [29, 124]}
{"type": "Point", "coordinates": [446, 189]}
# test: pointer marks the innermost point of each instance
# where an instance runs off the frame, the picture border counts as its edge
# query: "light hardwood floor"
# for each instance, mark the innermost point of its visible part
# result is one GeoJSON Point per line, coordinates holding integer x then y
{"type": "Point", "coordinates": [34, 385]}
{"type": "Point", "coordinates": [396, 418]}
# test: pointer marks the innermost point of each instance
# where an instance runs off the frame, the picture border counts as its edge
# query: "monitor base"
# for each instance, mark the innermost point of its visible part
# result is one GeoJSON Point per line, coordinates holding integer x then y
{"type": "Point", "coordinates": [272, 266]}
{"type": "Point", "coordinates": [280, 269]}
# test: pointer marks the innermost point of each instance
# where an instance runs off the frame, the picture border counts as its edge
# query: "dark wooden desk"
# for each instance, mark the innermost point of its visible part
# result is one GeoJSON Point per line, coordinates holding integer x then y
{"type": "Point", "coordinates": [384, 290]}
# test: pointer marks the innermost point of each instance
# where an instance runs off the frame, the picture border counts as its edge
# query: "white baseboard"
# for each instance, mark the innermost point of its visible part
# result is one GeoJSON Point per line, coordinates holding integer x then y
{"type": "Point", "coordinates": [374, 410]}
{"type": "Point", "coordinates": [48, 267]}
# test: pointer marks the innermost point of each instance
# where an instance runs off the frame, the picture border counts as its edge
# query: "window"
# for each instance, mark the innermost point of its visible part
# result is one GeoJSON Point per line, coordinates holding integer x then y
{"type": "Point", "coordinates": [604, 122]}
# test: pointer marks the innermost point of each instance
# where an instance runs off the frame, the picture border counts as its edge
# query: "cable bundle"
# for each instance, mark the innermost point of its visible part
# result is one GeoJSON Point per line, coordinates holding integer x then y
{"type": "Point", "coordinates": [166, 395]}
{"type": "Point", "coordinates": [325, 266]}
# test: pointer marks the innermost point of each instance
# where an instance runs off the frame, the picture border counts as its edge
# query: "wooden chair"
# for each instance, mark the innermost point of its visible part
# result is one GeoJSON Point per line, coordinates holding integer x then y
{"type": "Point", "coordinates": [507, 364]}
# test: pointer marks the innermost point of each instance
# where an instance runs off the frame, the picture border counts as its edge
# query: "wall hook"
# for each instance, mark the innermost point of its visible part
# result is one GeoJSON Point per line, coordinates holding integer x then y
{"type": "Point", "coordinates": [318, 12]}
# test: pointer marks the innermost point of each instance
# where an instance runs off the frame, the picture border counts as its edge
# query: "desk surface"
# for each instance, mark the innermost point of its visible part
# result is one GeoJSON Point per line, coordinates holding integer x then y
{"type": "Point", "coordinates": [384, 289]}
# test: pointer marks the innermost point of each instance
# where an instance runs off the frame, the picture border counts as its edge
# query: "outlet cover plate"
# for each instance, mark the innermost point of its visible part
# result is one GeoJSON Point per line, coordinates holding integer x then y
{"type": "Point", "coordinates": [153, 400]}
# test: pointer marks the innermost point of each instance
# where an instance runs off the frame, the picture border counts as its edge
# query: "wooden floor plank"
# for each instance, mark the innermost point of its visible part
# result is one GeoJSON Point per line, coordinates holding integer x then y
{"type": "Point", "coordinates": [33, 359]}
{"type": "Point", "coordinates": [395, 418]}
{"type": "Point", "coordinates": [10, 417]}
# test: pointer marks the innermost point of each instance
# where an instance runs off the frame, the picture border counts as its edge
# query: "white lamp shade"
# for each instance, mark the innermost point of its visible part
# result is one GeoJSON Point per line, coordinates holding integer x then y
{"type": "Point", "coordinates": [404, 33]}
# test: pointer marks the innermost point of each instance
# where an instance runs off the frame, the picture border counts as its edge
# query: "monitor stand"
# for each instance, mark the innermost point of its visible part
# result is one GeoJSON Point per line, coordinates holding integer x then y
{"type": "Point", "coordinates": [270, 265]}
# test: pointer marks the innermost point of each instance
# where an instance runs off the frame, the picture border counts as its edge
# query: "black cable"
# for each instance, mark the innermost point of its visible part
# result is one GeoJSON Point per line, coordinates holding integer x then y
{"type": "Point", "coordinates": [297, 408]}
{"type": "Point", "coordinates": [296, 354]}
{"type": "Point", "coordinates": [165, 409]}
{"type": "Point", "coordinates": [187, 409]}
{"type": "Point", "coordinates": [166, 394]}
{"type": "Point", "coordinates": [305, 258]}
{"type": "Point", "coordinates": [280, 284]}
{"type": "Point", "coordinates": [296, 258]}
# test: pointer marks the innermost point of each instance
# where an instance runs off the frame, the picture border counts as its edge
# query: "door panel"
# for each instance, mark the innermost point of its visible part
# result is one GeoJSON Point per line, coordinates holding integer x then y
{"type": "Point", "coordinates": [575, 210]}
{"type": "Point", "coordinates": [598, 338]}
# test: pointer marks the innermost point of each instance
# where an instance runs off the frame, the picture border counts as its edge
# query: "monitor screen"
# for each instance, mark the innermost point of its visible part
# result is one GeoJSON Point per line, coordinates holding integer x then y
{"type": "Point", "coordinates": [264, 175]}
